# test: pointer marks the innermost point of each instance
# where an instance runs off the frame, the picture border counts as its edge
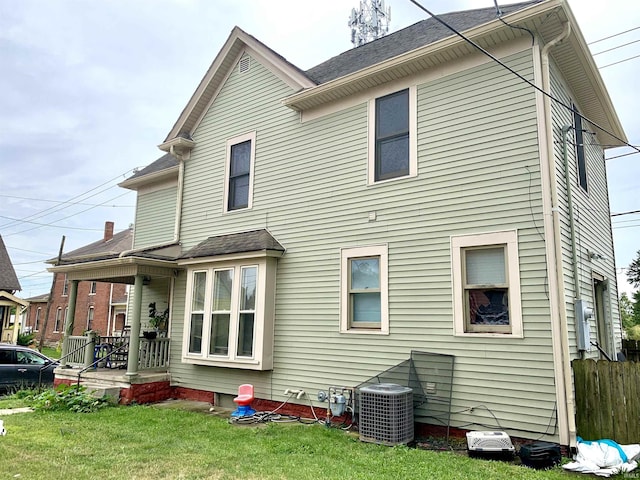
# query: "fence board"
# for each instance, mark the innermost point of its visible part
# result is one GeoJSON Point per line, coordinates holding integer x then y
{"type": "Point", "coordinates": [607, 400]}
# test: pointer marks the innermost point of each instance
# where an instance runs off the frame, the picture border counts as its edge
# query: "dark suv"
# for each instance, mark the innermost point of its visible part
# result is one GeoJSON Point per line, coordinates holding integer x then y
{"type": "Point", "coordinates": [23, 367]}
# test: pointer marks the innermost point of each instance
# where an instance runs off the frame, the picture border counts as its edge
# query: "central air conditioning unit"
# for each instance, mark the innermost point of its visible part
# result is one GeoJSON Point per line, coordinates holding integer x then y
{"type": "Point", "coordinates": [386, 414]}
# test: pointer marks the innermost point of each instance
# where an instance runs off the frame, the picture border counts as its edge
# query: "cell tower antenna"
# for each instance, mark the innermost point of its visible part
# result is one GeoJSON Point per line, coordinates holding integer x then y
{"type": "Point", "coordinates": [369, 22]}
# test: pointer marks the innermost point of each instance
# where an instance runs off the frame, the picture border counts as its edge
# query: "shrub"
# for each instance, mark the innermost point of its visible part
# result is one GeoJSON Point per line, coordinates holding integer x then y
{"type": "Point", "coordinates": [26, 339]}
{"type": "Point", "coordinates": [68, 397]}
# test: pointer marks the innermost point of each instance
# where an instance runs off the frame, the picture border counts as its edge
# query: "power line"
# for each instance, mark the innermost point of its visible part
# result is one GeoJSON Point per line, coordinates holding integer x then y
{"type": "Point", "coordinates": [614, 35]}
{"type": "Point", "coordinates": [526, 80]}
{"type": "Point", "coordinates": [61, 202]}
{"type": "Point", "coordinates": [615, 48]}
{"type": "Point", "coordinates": [619, 61]}
{"type": "Point", "coordinates": [64, 218]}
{"type": "Point", "coordinates": [625, 213]}
{"type": "Point", "coordinates": [622, 155]}
{"type": "Point", "coordinates": [55, 209]}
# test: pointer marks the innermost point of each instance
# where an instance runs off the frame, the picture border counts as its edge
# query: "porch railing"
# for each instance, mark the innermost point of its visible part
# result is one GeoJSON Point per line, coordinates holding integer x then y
{"type": "Point", "coordinates": [152, 354]}
{"type": "Point", "coordinates": [76, 344]}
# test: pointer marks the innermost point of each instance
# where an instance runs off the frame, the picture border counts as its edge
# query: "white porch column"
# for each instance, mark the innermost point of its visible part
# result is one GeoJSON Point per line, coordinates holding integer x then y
{"type": "Point", "coordinates": [68, 322]}
{"type": "Point", "coordinates": [134, 340]}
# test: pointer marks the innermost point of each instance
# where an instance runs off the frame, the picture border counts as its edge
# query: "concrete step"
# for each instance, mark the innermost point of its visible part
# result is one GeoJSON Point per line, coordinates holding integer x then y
{"type": "Point", "coordinates": [102, 391]}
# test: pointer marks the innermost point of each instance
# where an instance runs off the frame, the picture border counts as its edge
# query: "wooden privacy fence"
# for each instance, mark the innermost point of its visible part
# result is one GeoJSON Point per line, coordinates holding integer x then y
{"type": "Point", "coordinates": [607, 400]}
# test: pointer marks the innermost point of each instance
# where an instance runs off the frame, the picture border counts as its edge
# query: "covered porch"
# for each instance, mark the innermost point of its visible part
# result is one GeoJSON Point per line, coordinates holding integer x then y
{"type": "Point", "coordinates": [133, 361]}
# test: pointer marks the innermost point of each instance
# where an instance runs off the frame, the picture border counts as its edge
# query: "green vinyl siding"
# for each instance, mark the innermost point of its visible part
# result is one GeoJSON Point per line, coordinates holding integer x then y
{"type": "Point", "coordinates": [478, 171]}
{"type": "Point", "coordinates": [155, 216]}
{"type": "Point", "coordinates": [592, 219]}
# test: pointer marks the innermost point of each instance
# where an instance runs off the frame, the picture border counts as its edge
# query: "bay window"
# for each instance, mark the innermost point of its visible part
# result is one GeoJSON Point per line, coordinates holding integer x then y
{"type": "Point", "coordinates": [230, 314]}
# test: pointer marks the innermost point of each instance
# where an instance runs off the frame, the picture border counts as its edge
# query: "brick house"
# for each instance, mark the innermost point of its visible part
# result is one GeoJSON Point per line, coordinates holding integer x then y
{"type": "Point", "coordinates": [100, 306]}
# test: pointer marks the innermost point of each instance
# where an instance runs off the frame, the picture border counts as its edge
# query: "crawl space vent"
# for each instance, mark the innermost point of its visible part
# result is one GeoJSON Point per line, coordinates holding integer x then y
{"type": "Point", "coordinates": [386, 414]}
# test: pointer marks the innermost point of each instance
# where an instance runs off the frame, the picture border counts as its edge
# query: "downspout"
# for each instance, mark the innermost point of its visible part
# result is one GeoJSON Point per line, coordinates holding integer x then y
{"type": "Point", "coordinates": [176, 227]}
{"type": "Point", "coordinates": [572, 223]}
{"type": "Point", "coordinates": [564, 389]}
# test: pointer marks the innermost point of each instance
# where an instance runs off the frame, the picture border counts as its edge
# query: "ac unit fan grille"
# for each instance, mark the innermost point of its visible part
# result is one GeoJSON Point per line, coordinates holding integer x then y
{"type": "Point", "coordinates": [386, 414]}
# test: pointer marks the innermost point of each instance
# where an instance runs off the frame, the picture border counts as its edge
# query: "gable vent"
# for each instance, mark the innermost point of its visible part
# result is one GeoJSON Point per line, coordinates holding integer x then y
{"type": "Point", "coordinates": [245, 63]}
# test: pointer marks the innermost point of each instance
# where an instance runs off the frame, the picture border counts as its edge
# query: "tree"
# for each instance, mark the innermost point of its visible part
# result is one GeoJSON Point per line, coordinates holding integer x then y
{"type": "Point", "coordinates": [626, 311]}
{"type": "Point", "coordinates": [633, 272]}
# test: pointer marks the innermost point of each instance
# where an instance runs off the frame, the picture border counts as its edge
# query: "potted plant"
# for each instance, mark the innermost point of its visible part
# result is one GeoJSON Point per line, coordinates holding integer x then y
{"type": "Point", "coordinates": [158, 320]}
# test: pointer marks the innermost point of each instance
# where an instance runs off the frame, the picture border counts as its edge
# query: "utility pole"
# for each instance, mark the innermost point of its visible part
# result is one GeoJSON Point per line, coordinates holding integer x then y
{"type": "Point", "coordinates": [53, 287]}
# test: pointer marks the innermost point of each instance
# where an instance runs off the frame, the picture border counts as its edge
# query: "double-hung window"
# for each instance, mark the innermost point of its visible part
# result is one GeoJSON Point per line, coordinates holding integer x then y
{"type": "Point", "coordinates": [486, 284]}
{"type": "Point", "coordinates": [239, 172]}
{"type": "Point", "coordinates": [364, 296]}
{"type": "Point", "coordinates": [230, 319]}
{"type": "Point", "coordinates": [392, 136]}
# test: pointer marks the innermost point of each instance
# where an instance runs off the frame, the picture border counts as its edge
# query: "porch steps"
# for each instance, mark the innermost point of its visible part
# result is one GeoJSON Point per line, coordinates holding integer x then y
{"type": "Point", "coordinates": [103, 391]}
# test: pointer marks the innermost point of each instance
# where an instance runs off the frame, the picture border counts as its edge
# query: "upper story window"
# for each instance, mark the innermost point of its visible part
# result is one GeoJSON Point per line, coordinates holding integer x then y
{"type": "Point", "coordinates": [229, 321]}
{"type": "Point", "coordinates": [92, 288]}
{"type": "Point", "coordinates": [364, 292]}
{"type": "Point", "coordinates": [581, 161]}
{"type": "Point", "coordinates": [36, 324]}
{"type": "Point", "coordinates": [392, 136]}
{"type": "Point", "coordinates": [239, 172]}
{"type": "Point", "coordinates": [486, 284]}
{"type": "Point", "coordinates": [65, 286]}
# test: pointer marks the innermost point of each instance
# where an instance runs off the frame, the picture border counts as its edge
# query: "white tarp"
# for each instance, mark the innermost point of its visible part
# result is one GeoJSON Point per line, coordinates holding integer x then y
{"type": "Point", "coordinates": [604, 457]}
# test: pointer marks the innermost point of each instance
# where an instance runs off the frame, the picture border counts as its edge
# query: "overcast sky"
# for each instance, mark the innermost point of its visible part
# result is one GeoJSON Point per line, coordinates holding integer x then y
{"type": "Point", "coordinates": [90, 88]}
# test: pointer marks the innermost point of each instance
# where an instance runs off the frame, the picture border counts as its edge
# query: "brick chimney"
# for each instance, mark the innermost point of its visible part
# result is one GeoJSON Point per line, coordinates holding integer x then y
{"type": "Point", "coordinates": [108, 231]}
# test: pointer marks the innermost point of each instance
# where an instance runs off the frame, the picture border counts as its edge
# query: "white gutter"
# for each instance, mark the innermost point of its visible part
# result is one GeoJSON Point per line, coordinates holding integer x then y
{"type": "Point", "coordinates": [559, 329]}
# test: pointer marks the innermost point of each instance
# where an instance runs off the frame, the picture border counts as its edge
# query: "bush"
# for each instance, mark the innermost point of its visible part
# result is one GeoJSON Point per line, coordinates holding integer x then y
{"type": "Point", "coordinates": [68, 397]}
{"type": "Point", "coordinates": [26, 339]}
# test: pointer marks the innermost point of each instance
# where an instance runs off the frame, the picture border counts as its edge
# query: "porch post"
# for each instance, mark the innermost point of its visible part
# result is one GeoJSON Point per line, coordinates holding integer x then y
{"type": "Point", "coordinates": [68, 322]}
{"type": "Point", "coordinates": [134, 340]}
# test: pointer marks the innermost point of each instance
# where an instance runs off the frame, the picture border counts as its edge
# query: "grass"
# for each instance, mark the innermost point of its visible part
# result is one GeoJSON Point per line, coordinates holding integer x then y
{"type": "Point", "coordinates": [146, 442]}
{"type": "Point", "coordinates": [51, 352]}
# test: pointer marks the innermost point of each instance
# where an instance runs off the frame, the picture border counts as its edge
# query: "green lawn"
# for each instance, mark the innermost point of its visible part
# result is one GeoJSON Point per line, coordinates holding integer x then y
{"type": "Point", "coordinates": [51, 352]}
{"type": "Point", "coordinates": [147, 442]}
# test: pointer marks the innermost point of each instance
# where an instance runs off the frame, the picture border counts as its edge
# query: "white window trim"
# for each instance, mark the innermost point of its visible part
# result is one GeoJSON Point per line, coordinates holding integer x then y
{"type": "Point", "coordinates": [91, 290]}
{"type": "Point", "coordinates": [510, 240]}
{"type": "Point", "coordinates": [368, 251]}
{"type": "Point", "coordinates": [231, 142]}
{"type": "Point", "coordinates": [263, 328]}
{"type": "Point", "coordinates": [413, 137]}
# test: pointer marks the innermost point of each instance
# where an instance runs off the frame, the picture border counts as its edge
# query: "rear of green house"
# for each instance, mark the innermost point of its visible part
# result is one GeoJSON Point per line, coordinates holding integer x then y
{"type": "Point", "coordinates": [327, 223]}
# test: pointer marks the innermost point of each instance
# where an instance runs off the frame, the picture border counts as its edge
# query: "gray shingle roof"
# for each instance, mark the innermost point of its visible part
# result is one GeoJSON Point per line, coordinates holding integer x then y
{"type": "Point", "coordinates": [43, 298]}
{"type": "Point", "coordinates": [8, 278]}
{"type": "Point", "coordinates": [254, 241]}
{"type": "Point", "coordinates": [415, 36]}
{"type": "Point", "coordinates": [100, 250]}
{"type": "Point", "coordinates": [165, 161]}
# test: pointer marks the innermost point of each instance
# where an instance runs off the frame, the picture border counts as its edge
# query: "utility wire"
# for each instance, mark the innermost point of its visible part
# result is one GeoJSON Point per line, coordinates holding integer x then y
{"type": "Point", "coordinates": [615, 48]}
{"type": "Point", "coordinates": [529, 82]}
{"type": "Point", "coordinates": [42, 212]}
{"type": "Point", "coordinates": [622, 155]}
{"type": "Point", "coordinates": [61, 202]}
{"type": "Point", "coordinates": [625, 213]}
{"type": "Point", "coordinates": [619, 61]}
{"type": "Point", "coordinates": [64, 218]}
{"type": "Point", "coordinates": [614, 35]}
